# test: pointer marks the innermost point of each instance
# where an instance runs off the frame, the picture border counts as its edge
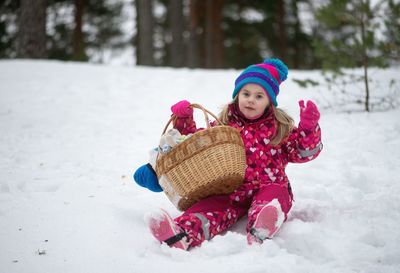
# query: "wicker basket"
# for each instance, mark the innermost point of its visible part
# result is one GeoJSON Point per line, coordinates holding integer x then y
{"type": "Point", "coordinates": [210, 162]}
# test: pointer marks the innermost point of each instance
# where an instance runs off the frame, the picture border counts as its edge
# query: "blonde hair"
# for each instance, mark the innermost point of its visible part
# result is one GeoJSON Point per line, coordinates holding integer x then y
{"type": "Point", "coordinates": [284, 121]}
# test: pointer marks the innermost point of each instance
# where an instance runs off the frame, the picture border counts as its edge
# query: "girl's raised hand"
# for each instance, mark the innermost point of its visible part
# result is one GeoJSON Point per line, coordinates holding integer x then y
{"type": "Point", "coordinates": [182, 109]}
{"type": "Point", "coordinates": [309, 115]}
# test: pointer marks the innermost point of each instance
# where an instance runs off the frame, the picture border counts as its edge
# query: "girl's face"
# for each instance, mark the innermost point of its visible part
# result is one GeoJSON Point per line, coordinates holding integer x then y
{"type": "Point", "coordinates": [252, 101]}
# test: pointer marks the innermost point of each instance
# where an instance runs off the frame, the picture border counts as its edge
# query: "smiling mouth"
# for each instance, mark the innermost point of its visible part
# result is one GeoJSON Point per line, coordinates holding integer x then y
{"type": "Point", "coordinates": [249, 108]}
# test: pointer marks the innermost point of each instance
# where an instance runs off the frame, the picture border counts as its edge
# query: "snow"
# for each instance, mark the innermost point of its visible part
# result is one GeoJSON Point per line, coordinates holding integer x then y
{"type": "Point", "coordinates": [72, 134]}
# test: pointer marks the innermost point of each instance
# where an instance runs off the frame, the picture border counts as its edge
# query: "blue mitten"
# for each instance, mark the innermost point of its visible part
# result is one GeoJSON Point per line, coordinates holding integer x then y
{"type": "Point", "coordinates": [145, 176]}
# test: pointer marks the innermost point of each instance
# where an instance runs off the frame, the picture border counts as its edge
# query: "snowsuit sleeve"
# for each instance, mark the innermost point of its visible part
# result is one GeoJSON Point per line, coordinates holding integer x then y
{"type": "Point", "coordinates": [303, 146]}
{"type": "Point", "coordinates": [185, 125]}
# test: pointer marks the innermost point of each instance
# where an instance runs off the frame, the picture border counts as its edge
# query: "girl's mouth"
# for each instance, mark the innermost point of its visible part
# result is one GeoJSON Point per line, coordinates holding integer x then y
{"type": "Point", "coordinates": [249, 108]}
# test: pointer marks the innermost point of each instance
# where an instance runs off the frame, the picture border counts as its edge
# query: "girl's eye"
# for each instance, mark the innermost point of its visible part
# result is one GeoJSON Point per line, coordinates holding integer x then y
{"type": "Point", "coordinates": [259, 96]}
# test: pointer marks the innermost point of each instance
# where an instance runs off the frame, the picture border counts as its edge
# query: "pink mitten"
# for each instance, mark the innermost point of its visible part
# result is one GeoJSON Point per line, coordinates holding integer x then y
{"type": "Point", "coordinates": [182, 109]}
{"type": "Point", "coordinates": [309, 115]}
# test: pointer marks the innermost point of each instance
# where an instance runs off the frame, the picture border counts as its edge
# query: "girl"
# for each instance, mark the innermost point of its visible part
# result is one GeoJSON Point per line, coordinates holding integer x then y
{"type": "Point", "coordinates": [271, 141]}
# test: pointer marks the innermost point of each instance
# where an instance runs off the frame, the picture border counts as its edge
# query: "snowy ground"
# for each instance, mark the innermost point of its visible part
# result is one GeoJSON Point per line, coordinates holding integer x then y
{"type": "Point", "coordinates": [71, 136]}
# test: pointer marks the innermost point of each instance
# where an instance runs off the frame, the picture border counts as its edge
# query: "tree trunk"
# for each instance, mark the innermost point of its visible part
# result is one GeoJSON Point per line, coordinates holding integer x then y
{"type": "Point", "coordinates": [213, 35]}
{"type": "Point", "coordinates": [144, 22]}
{"type": "Point", "coordinates": [78, 44]}
{"type": "Point", "coordinates": [32, 29]}
{"type": "Point", "coordinates": [366, 84]}
{"type": "Point", "coordinates": [176, 21]}
{"type": "Point", "coordinates": [297, 30]}
{"type": "Point", "coordinates": [282, 35]}
{"type": "Point", "coordinates": [218, 34]}
{"type": "Point", "coordinates": [209, 37]}
{"type": "Point", "coordinates": [364, 57]}
{"type": "Point", "coordinates": [194, 20]}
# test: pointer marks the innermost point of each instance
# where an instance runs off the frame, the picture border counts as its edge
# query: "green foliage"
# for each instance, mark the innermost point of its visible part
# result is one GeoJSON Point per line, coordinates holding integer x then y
{"type": "Point", "coordinates": [241, 38]}
{"type": "Point", "coordinates": [349, 35]}
{"type": "Point", "coordinates": [349, 29]}
{"type": "Point", "coordinates": [102, 22]}
{"type": "Point", "coordinates": [251, 32]}
{"type": "Point", "coordinates": [60, 42]}
{"type": "Point", "coordinates": [105, 20]}
{"type": "Point", "coordinates": [8, 9]}
{"type": "Point", "coordinates": [249, 40]}
{"type": "Point", "coordinates": [306, 83]}
{"type": "Point", "coordinates": [102, 28]}
{"type": "Point", "coordinates": [391, 45]}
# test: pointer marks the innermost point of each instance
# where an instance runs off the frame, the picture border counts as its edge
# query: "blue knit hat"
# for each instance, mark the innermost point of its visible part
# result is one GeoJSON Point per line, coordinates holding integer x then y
{"type": "Point", "coordinates": [268, 75]}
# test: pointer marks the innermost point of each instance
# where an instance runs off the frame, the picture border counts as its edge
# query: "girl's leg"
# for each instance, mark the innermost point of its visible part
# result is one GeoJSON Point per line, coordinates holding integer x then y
{"type": "Point", "coordinates": [209, 217]}
{"type": "Point", "coordinates": [268, 211]}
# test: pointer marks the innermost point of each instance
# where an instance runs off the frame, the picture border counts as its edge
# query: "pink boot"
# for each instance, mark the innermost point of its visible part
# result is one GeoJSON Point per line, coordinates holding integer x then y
{"type": "Point", "coordinates": [267, 223]}
{"type": "Point", "coordinates": [166, 231]}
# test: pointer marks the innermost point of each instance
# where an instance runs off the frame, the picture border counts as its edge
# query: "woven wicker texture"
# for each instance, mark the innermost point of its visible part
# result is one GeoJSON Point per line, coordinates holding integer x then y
{"type": "Point", "coordinates": [210, 162]}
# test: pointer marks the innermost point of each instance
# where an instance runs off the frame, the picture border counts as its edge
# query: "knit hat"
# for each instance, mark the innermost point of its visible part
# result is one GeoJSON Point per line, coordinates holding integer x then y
{"type": "Point", "coordinates": [268, 75]}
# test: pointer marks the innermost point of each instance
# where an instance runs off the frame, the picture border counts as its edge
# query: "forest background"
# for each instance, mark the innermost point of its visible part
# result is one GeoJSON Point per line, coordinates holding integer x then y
{"type": "Point", "coordinates": [306, 34]}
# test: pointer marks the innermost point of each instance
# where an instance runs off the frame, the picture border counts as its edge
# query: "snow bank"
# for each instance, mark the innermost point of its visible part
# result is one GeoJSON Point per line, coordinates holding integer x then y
{"type": "Point", "coordinates": [72, 134]}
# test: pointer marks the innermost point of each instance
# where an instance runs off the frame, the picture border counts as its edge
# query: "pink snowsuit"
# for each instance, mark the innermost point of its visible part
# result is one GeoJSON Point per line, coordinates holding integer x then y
{"type": "Point", "coordinates": [265, 177]}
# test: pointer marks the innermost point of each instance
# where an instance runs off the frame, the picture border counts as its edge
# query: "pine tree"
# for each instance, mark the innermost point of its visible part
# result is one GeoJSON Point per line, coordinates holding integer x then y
{"type": "Point", "coordinates": [350, 40]}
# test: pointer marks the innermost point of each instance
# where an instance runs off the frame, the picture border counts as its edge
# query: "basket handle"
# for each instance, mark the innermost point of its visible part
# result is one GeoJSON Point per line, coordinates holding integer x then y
{"type": "Point", "coordinates": [198, 106]}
